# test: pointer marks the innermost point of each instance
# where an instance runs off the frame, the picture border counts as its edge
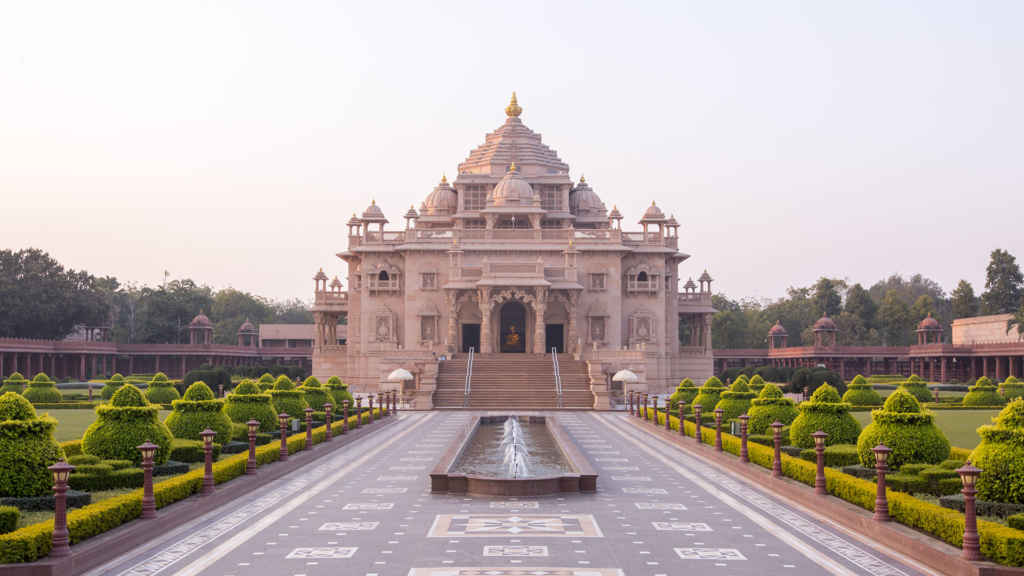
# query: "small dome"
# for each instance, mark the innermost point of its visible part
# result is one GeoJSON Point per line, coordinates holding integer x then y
{"type": "Point", "coordinates": [824, 324]}
{"type": "Point", "coordinates": [246, 327]}
{"type": "Point", "coordinates": [442, 200]}
{"type": "Point", "coordinates": [511, 189]}
{"type": "Point", "coordinates": [335, 283]}
{"type": "Point", "coordinates": [929, 323]}
{"type": "Point", "coordinates": [778, 330]}
{"type": "Point", "coordinates": [585, 202]}
{"type": "Point", "coordinates": [320, 275]}
{"type": "Point", "coordinates": [705, 277]}
{"type": "Point", "coordinates": [354, 220]}
{"type": "Point", "coordinates": [200, 320]}
{"type": "Point", "coordinates": [653, 214]}
{"type": "Point", "coordinates": [690, 285]}
{"type": "Point", "coordinates": [411, 214]}
{"type": "Point", "coordinates": [373, 213]}
{"type": "Point", "coordinates": [672, 222]}
{"type": "Point", "coordinates": [615, 214]}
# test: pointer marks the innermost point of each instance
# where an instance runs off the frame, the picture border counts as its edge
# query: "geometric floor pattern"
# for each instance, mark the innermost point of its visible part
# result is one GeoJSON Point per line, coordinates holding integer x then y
{"type": "Point", "coordinates": [367, 510]}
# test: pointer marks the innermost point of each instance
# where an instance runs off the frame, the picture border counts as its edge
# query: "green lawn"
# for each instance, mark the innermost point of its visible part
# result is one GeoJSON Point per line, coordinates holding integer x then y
{"type": "Point", "coordinates": [71, 424]}
{"type": "Point", "coordinates": [958, 425]}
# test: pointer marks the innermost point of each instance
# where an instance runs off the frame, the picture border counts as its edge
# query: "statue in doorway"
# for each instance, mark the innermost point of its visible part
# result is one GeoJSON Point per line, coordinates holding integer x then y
{"type": "Point", "coordinates": [512, 338]}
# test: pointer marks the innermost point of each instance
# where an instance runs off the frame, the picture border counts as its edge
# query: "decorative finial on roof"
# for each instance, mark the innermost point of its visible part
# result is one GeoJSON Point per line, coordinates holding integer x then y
{"type": "Point", "coordinates": [444, 178]}
{"type": "Point", "coordinates": [512, 167]}
{"type": "Point", "coordinates": [583, 179]}
{"type": "Point", "coordinates": [513, 109]}
{"type": "Point", "coordinates": [373, 202]}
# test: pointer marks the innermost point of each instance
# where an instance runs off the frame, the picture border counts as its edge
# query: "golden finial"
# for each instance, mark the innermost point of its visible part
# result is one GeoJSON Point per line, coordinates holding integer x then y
{"type": "Point", "coordinates": [513, 108]}
{"type": "Point", "coordinates": [583, 179]}
{"type": "Point", "coordinates": [512, 167]}
{"type": "Point", "coordinates": [444, 178]}
{"type": "Point", "coordinates": [373, 201]}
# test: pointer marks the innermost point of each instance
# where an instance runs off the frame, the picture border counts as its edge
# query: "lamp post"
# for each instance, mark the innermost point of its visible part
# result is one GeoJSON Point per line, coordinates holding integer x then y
{"type": "Point", "coordinates": [327, 416]}
{"type": "Point", "coordinates": [250, 464]}
{"type": "Point", "coordinates": [148, 450]}
{"type": "Point", "coordinates": [60, 543]}
{"type": "Point", "coordinates": [207, 436]}
{"type": "Point", "coordinates": [383, 405]}
{"type": "Point", "coordinates": [359, 411]}
{"type": "Point", "coordinates": [969, 476]}
{"type": "Point", "coordinates": [819, 453]}
{"type": "Point", "coordinates": [654, 420]}
{"type": "Point", "coordinates": [668, 412]}
{"type": "Point", "coordinates": [682, 422]}
{"type": "Point", "coordinates": [369, 400]}
{"type": "Point", "coordinates": [718, 428]}
{"type": "Point", "coordinates": [777, 457]}
{"type": "Point", "coordinates": [696, 420]}
{"type": "Point", "coordinates": [744, 454]}
{"type": "Point", "coordinates": [881, 503]}
{"type": "Point", "coordinates": [344, 423]}
{"type": "Point", "coordinates": [309, 427]}
{"type": "Point", "coordinates": [282, 418]}
{"type": "Point", "coordinates": [629, 401]}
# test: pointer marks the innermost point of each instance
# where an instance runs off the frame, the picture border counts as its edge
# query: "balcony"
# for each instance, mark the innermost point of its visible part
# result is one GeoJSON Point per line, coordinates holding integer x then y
{"type": "Point", "coordinates": [391, 284]}
{"type": "Point", "coordinates": [649, 286]}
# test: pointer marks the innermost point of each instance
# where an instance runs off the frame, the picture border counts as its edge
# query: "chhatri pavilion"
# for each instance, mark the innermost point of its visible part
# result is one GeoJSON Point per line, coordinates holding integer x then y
{"type": "Point", "coordinates": [513, 260]}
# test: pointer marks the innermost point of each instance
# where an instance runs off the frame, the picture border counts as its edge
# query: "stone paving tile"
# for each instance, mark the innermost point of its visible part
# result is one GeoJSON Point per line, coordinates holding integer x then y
{"type": "Point", "coordinates": [656, 513]}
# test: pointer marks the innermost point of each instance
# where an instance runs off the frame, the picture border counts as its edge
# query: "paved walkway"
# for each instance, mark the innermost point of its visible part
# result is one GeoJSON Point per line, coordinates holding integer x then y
{"type": "Point", "coordinates": [368, 511]}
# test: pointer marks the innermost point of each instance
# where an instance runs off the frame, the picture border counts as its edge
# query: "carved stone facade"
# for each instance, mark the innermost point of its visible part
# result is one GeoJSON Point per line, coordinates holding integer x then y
{"type": "Point", "coordinates": [514, 256]}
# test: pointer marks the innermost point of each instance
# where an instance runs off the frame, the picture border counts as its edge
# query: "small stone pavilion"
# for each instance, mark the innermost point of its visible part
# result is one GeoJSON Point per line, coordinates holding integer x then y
{"type": "Point", "coordinates": [514, 257]}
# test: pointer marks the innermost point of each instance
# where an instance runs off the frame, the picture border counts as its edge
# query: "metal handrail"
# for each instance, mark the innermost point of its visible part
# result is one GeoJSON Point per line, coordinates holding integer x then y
{"type": "Point", "coordinates": [558, 375]}
{"type": "Point", "coordinates": [469, 378]}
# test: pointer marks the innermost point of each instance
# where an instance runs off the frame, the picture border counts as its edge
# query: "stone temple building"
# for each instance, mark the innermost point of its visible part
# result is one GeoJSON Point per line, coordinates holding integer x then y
{"type": "Point", "coordinates": [513, 260]}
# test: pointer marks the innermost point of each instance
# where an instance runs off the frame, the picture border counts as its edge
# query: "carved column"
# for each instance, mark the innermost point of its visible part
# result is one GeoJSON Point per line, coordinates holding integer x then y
{"type": "Point", "coordinates": [451, 299]}
{"type": "Point", "coordinates": [539, 307]}
{"type": "Point", "coordinates": [573, 299]}
{"type": "Point", "coordinates": [485, 320]}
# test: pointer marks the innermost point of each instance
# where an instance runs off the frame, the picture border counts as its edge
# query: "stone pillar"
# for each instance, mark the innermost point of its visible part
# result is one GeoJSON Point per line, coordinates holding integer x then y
{"type": "Point", "coordinates": [485, 320]}
{"type": "Point", "coordinates": [573, 337]}
{"type": "Point", "coordinates": [942, 371]}
{"type": "Point", "coordinates": [539, 307]}
{"type": "Point", "coordinates": [451, 299]}
{"type": "Point", "coordinates": [984, 366]}
{"type": "Point", "coordinates": [81, 367]}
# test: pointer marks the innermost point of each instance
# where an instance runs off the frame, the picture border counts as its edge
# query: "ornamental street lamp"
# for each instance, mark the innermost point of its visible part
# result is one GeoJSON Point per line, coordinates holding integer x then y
{"type": "Point", "coordinates": [282, 419]}
{"type": "Point", "coordinates": [369, 400]}
{"type": "Point", "coordinates": [881, 503]}
{"type": "Point", "coordinates": [969, 476]}
{"type": "Point", "coordinates": [777, 456]}
{"type": "Point", "coordinates": [696, 420]}
{"type": "Point", "coordinates": [718, 428]}
{"type": "Point", "coordinates": [309, 428]}
{"type": "Point", "coordinates": [744, 454]}
{"type": "Point", "coordinates": [250, 464]}
{"type": "Point", "coordinates": [148, 450]}
{"type": "Point", "coordinates": [207, 436]}
{"type": "Point", "coordinates": [655, 419]}
{"type": "Point", "coordinates": [682, 422]}
{"type": "Point", "coordinates": [819, 451]}
{"type": "Point", "coordinates": [327, 416]}
{"type": "Point", "coordinates": [359, 411]}
{"type": "Point", "coordinates": [344, 422]}
{"type": "Point", "coordinates": [60, 542]}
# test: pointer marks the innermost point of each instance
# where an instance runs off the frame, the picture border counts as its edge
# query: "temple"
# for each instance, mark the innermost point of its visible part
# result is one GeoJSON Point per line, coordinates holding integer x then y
{"type": "Point", "coordinates": [513, 257]}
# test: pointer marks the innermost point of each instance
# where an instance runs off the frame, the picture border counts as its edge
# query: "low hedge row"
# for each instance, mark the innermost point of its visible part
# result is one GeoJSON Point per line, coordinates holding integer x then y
{"type": "Point", "coordinates": [33, 542]}
{"type": "Point", "coordinates": [81, 405]}
{"type": "Point", "coordinates": [191, 450]}
{"type": "Point", "coordinates": [1016, 521]}
{"type": "Point", "coordinates": [8, 519]}
{"type": "Point", "coordinates": [836, 456]}
{"type": "Point", "coordinates": [999, 543]}
{"type": "Point", "coordinates": [105, 479]}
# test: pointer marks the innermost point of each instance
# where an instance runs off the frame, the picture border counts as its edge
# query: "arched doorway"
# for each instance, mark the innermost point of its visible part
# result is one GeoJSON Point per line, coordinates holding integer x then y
{"type": "Point", "coordinates": [513, 327]}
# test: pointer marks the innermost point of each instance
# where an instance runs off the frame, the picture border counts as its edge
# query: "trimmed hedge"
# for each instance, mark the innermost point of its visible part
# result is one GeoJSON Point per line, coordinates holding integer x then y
{"type": "Point", "coordinates": [183, 450]}
{"type": "Point", "coordinates": [83, 460]}
{"type": "Point", "coordinates": [247, 402]}
{"type": "Point", "coordinates": [827, 412]}
{"type": "Point", "coordinates": [105, 479]}
{"type": "Point", "coordinates": [709, 395]}
{"type": "Point", "coordinates": [1012, 388]}
{"type": "Point", "coordinates": [33, 542]}
{"type": "Point", "coordinates": [14, 383]}
{"type": "Point", "coordinates": [836, 456]}
{"type": "Point", "coordinates": [8, 519]}
{"type": "Point", "coordinates": [860, 393]}
{"type": "Point", "coordinates": [983, 393]}
{"type": "Point", "coordinates": [340, 393]}
{"type": "Point", "coordinates": [27, 447]}
{"type": "Point", "coordinates": [287, 399]}
{"type": "Point", "coordinates": [1001, 456]}
{"type": "Point", "coordinates": [110, 387]}
{"type": "Point", "coordinates": [918, 388]}
{"type": "Point", "coordinates": [908, 431]}
{"type": "Point", "coordinates": [756, 383]}
{"type": "Point", "coordinates": [170, 468]}
{"type": "Point", "coordinates": [769, 406]}
{"type": "Point", "coordinates": [42, 389]}
{"type": "Point", "coordinates": [198, 410]}
{"type": "Point", "coordinates": [1016, 521]}
{"type": "Point", "coordinates": [266, 382]}
{"type": "Point", "coordinates": [161, 390]}
{"type": "Point", "coordinates": [736, 400]}
{"type": "Point", "coordinates": [124, 424]}
{"type": "Point", "coordinates": [75, 499]}
{"type": "Point", "coordinates": [314, 394]}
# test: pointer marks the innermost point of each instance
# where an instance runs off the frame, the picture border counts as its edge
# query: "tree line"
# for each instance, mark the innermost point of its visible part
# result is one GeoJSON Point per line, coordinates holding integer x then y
{"type": "Point", "coordinates": [884, 314]}
{"type": "Point", "coordinates": [40, 298]}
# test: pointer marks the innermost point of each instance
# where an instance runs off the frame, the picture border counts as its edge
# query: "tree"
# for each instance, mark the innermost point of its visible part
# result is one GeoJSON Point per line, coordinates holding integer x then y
{"type": "Point", "coordinates": [963, 301]}
{"type": "Point", "coordinates": [922, 308]}
{"type": "Point", "coordinates": [1018, 321]}
{"type": "Point", "coordinates": [163, 313]}
{"type": "Point", "coordinates": [1004, 284]}
{"type": "Point", "coordinates": [894, 320]}
{"type": "Point", "coordinates": [860, 305]}
{"type": "Point", "coordinates": [827, 301]}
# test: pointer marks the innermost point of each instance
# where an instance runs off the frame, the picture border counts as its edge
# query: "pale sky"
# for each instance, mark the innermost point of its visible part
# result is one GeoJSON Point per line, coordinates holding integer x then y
{"type": "Point", "coordinates": [230, 141]}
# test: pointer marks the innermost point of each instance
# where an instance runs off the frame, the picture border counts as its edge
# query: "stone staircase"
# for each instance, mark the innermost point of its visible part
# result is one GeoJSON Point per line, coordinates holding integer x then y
{"type": "Point", "coordinates": [513, 382]}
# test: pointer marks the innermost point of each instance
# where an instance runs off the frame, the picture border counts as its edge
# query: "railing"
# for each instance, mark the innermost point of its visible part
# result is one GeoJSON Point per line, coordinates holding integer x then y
{"type": "Point", "coordinates": [469, 379]}
{"type": "Point", "coordinates": [558, 375]}
{"type": "Point", "coordinates": [633, 285]}
{"type": "Point", "coordinates": [389, 285]}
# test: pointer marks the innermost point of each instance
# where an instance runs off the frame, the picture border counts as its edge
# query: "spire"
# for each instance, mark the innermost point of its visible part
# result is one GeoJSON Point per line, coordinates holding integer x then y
{"type": "Point", "coordinates": [513, 109]}
{"type": "Point", "coordinates": [444, 178]}
{"type": "Point", "coordinates": [513, 168]}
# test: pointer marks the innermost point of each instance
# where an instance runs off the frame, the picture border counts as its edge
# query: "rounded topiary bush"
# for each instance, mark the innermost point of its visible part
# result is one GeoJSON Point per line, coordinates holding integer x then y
{"type": "Point", "coordinates": [769, 406]}
{"type": "Point", "coordinates": [161, 390]}
{"type": "Point", "coordinates": [42, 389]}
{"type": "Point", "coordinates": [756, 384]}
{"type": "Point", "coordinates": [14, 383]}
{"type": "Point", "coordinates": [709, 395]}
{"type": "Point", "coordinates": [685, 393]}
{"type": "Point", "coordinates": [917, 388]}
{"type": "Point", "coordinates": [27, 447]}
{"type": "Point", "coordinates": [125, 423]}
{"type": "Point", "coordinates": [198, 410]}
{"type": "Point", "coordinates": [287, 399]}
{"type": "Point", "coordinates": [316, 396]}
{"type": "Point", "coordinates": [825, 411]}
{"type": "Point", "coordinates": [339, 393]}
{"type": "Point", "coordinates": [1010, 389]}
{"type": "Point", "coordinates": [266, 382]}
{"type": "Point", "coordinates": [110, 387]}
{"type": "Point", "coordinates": [983, 393]}
{"type": "Point", "coordinates": [907, 430]}
{"type": "Point", "coordinates": [860, 393]}
{"type": "Point", "coordinates": [247, 402]}
{"type": "Point", "coordinates": [1000, 455]}
{"type": "Point", "coordinates": [735, 400]}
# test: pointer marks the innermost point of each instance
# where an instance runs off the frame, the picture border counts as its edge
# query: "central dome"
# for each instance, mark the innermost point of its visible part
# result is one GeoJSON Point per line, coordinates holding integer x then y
{"type": "Point", "coordinates": [511, 190]}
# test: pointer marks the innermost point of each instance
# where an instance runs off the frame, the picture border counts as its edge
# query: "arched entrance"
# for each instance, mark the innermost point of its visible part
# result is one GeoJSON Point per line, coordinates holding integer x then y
{"type": "Point", "coordinates": [513, 327]}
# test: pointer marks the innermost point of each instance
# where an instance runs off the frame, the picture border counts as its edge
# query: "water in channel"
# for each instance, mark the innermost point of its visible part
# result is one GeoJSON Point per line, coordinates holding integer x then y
{"type": "Point", "coordinates": [513, 448]}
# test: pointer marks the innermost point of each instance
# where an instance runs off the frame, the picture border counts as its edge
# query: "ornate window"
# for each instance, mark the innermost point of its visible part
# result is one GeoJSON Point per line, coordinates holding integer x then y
{"type": "Point", "coordinates": [428, 280]}
{"type": "Point", "coordinates": [641, 279]}
{"type": "Point", "coordinates": [642, 328]}
{"type": "Point", "coordinates": [597, 280]}
{"type": "Point", "coordinates": [428, 328]}
{"type": "Point", "coordinates": [474, 197]}
{"type": "Point", "coordinates": [384, 278]}
{"type": "Point", "coordinates": [550, 197]}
